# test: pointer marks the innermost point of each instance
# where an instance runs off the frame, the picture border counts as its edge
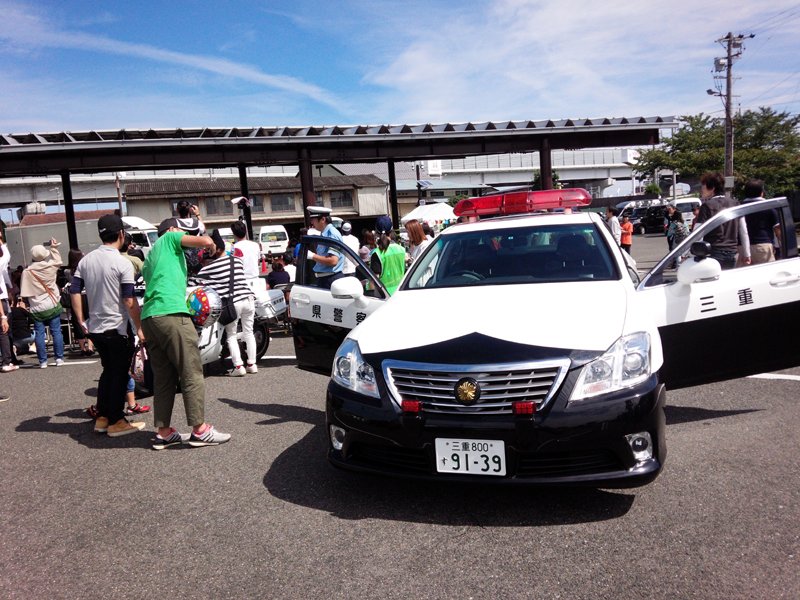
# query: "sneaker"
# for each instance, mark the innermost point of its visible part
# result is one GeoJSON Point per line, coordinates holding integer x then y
{"type": "Point", "coordinates": [59, 362]}
{"type": "Point", "coordinates": [237, 372]}
{"type": "Point", "coordinates": [136, 409]}
{"type": "Point", "coordinates": [211, 437]}
{"type": "Point", "coordinates": [4, 397]}
{"type": "Point", "coordinates": [101, 425]}
{"type": "Point", "coordinates": [43, 365]}
{"type": "Point", "coordinates": [92, 411]}
{"type": "Point", "coordinates": [251, 369]}
{"type": "Point", "coordinates": [9, 368]}
{"type": "Point", "coordinates": [122, 427]}
{"type": "Point", "coordinates": [173, 439]}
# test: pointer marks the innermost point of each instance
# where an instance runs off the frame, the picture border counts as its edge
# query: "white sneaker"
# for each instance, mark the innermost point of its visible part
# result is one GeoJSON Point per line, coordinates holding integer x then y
{"type": "Point", "coordinates": [43, 365]}
{"type": "Point", "coordinates": [251, 369]}
{"type": "Point", "coordinates": [237, 372]}
{"type": "Point", "coordinates": [59, 362]}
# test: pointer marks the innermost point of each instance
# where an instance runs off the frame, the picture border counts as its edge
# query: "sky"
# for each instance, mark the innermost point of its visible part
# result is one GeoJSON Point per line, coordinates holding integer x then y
{"type": "Point", "coordinates": [77, 65]}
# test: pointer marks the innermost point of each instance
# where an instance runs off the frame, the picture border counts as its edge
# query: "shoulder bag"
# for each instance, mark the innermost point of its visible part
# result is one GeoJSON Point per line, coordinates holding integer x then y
{"type": "Point", "coordinates": [228, 313]}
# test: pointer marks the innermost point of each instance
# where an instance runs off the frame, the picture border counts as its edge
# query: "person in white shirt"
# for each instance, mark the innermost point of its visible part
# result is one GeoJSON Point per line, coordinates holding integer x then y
{"type": "Point", "coordinates": [249, 252]}
{"type": "Point", "coordinates": [613, 224]}
{"type": "Point", "coordinates": [352, 243]}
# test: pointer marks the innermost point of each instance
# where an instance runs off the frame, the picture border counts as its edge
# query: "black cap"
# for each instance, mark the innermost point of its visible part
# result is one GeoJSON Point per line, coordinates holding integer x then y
{"type": "Point", "coordinates": [164, 226]}
{"type": "Point", "coordinates": [111, 223]}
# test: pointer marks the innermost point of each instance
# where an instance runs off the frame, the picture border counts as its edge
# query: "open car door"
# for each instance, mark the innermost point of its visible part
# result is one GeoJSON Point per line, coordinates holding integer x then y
{"type": "Point", "coordinates": [320, 322]}
{"type": "Point", "coordinates": [721, 324]}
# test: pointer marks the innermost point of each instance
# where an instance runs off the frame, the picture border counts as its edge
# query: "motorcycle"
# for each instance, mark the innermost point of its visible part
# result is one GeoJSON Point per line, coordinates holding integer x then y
{"type": "Point", "coordinates": [270, 308]}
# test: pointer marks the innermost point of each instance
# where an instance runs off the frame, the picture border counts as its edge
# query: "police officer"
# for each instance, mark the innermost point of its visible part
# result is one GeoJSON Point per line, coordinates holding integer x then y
{"type": "Point", "coordinates": [328, 261]}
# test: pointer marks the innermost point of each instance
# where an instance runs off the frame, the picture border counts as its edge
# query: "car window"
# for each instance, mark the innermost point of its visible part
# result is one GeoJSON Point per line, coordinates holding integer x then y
{"type": "Point", "coordinates": [764, 229]}
{"type": "Point", "coordinates": [358, 269]}
{"type": "Point", "coordinates": [535, 254]}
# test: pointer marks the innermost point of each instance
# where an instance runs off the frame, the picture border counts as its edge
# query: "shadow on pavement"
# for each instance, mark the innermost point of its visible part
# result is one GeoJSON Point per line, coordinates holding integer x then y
{"type": "Point", "coordinates": [301, 475]}
{"type": "Point", "coordinates": [82, 431]}
{"type": "Point", "coordinates": [689, 414]}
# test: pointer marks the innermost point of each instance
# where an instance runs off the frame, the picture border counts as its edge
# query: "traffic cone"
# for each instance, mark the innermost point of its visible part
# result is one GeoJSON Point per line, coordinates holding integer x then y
{"type": "Point", "coordinates": [263, 264]}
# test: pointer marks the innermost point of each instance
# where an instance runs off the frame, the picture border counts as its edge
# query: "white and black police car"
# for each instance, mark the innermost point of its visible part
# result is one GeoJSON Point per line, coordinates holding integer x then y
{"type": "Point", "coordinates": [526, 348]}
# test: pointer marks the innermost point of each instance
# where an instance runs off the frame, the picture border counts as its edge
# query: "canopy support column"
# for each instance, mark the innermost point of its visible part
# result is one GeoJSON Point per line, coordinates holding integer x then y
{"type": "Point", "coordinates": [546, 164]}
{"type": "Point", "coordinates": [69, 210]}
{"type": "Point", "coordinates": [307, 184]}
{"type": "Point", "coordinates": [248, 217]}
{"type": "Point", "coordinates": [393, 195]}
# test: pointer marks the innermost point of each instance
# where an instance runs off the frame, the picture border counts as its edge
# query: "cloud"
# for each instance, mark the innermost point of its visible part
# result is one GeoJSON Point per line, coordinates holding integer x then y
{"type": "Point", "coordinates": [531, 59]}
{"type": "Point", "coordinates": [24, 28]}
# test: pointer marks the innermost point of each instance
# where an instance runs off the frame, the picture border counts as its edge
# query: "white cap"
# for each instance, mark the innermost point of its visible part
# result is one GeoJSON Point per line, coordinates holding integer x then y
{"type": "Point", "coordinates": [318, 211]}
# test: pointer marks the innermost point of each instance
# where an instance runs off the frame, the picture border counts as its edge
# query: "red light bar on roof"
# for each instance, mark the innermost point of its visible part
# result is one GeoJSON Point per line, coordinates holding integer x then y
{"type": "Point", "coordinates": [515, 203]}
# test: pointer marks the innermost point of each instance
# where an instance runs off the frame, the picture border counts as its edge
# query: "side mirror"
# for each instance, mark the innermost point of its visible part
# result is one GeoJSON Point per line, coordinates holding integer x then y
{"type": "Point", "coordinates": [702, 268]}
{"type": "Point", "coordinates": [349, 288]}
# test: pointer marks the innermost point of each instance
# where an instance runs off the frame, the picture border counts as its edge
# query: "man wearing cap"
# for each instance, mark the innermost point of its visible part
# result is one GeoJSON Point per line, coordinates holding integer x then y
{"type": "Point", "coordinates": [172, 339]}
{"type": "Point", "coordinates": [352, 243]}
{"type": "Point", "coordinates": [328, 261]}
{"type": "Point", "coordinates": [108, 280]}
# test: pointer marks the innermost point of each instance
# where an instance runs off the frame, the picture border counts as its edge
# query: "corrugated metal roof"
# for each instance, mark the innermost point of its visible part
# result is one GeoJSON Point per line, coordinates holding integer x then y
{"type": "Point", "coordinates": [233, 133]}
{"type": "Point", "coordinates": [126, 149]}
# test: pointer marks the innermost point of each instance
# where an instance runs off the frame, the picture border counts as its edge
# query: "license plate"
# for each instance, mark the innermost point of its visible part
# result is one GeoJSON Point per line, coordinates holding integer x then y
{"type": "Point", "coordinates": [470, 457]}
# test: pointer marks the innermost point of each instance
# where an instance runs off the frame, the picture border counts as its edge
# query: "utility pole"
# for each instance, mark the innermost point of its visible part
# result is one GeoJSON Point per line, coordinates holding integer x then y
{"type": "Point", "coordinates": [733, 50]}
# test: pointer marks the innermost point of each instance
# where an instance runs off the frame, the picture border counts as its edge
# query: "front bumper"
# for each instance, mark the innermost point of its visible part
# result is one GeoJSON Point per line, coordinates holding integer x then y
{"type": "Point", "coordinates": [579, 443]}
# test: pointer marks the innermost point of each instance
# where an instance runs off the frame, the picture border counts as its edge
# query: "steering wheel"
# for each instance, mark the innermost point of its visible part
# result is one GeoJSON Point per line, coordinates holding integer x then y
{"type": "Point", "coordinates": [468, 274]}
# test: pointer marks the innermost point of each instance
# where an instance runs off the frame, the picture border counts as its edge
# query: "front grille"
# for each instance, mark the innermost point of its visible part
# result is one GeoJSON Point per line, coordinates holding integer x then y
{"type": "Point", "coordinates": [500, 385]}
{"type": "Point", "coordinates": [567, 463]}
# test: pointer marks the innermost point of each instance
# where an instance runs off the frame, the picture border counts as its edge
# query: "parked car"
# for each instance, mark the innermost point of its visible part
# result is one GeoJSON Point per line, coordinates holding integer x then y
{"type": "Point", "coordinates": [489, 363]}
{"type": "Point", "coordinates": [653, 221]}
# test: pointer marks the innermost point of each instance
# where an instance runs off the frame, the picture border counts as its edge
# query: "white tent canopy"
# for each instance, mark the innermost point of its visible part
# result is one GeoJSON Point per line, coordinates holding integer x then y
{"type": "Point", "coordinates": [440, 211]}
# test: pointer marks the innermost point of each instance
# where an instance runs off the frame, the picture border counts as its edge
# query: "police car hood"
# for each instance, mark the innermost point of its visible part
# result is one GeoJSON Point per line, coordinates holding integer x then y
{"type": "Point", "coordinates": [573, 316]}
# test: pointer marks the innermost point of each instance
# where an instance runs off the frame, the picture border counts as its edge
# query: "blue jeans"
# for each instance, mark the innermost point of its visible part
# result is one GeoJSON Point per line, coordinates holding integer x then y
{"type": "Point", "coordinates": [39, 337]}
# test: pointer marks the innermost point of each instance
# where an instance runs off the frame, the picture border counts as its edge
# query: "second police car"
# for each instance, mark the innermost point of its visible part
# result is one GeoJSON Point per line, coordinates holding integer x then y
{"type": "Point", "coordinates": [528, 349]}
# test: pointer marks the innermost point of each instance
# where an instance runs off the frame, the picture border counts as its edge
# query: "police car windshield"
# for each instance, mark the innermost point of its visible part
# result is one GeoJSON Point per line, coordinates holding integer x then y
{"type": "Point", "coordinates": [537, 254]}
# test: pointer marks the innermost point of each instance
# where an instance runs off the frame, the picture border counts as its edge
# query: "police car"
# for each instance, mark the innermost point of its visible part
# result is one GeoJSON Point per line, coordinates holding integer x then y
{"type": "Point", "coordinates": [524, 348]}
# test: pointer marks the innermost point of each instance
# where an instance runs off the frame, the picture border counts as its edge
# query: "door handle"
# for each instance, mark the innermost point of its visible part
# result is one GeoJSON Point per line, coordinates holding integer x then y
{"type": "Point", "coordinates": [300, 299]}
{"type": "Point", "coordinates": [784, 280]}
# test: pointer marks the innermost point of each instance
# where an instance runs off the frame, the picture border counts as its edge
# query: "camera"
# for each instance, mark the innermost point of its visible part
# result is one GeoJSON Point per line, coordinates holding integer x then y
{"type": "Point", "coordinates": [48, 243]}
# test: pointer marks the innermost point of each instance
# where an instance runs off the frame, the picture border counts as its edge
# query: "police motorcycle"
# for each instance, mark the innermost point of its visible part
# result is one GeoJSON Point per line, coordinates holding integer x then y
{"type": "Point", "coordinates": [204, 305]}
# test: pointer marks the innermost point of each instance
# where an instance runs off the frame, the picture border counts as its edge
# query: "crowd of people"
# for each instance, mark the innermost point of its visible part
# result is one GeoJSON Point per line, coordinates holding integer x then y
{"type": "Point", "coordinates": [106, 317]}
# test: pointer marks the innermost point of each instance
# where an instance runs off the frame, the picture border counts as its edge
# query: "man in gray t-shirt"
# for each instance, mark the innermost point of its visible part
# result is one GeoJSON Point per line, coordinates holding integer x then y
{"type": "Point", "coordinates": [108, 279]}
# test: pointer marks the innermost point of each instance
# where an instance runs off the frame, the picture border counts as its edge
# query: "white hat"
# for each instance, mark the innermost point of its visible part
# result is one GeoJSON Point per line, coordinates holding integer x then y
{"type": "Point", "coordinates": [347, 227]}
{"type": "Point", "coordinates": [39, 252]}
{"type": "Point", "coordinates": [318, 211]}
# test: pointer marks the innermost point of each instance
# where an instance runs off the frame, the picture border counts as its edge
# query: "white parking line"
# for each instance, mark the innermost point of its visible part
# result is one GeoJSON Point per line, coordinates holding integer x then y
{"type": "Point", "coordinates": [775, 376]}
{"type": "Point", "coordinates": [265, 357]}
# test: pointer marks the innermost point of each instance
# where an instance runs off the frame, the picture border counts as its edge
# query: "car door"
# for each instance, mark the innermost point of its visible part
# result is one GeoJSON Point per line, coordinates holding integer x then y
{"type": "Point", "coordinates": [320, 322]}
{"type": "Point", "coordinates": [742, 322]}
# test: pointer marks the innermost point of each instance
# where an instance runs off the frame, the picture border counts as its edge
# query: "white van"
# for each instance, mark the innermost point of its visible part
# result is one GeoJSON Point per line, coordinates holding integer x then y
{"type": "Point", "coordinates": [142, 233]}
{"type": "Point", "coordinates": [273, 238]}
{"type": "Point", "coordinates": [685, 206]}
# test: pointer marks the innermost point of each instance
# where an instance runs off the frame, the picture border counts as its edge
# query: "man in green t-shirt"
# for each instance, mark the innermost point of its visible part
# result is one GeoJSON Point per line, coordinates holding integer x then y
{"type": "Point", "coordinates": [172, 339]}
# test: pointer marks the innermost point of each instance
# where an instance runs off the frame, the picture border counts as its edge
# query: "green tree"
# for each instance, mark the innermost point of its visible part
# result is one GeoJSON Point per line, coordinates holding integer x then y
{"type": "Point", "coordinates": [536, 182]}
{"type": "Point", "coordinates": [766, 146]}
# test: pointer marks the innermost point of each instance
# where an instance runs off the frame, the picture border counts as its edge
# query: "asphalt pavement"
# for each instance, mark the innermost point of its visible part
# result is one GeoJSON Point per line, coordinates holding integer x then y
{"type": "Point", "coordinates": [265, 516]}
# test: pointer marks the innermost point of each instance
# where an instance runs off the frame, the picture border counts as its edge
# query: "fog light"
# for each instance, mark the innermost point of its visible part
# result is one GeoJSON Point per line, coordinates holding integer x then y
{"type": "Point", "coordinates": [641, 445]}
{"type": "Point", "coordinates": [525, 407]}
{"type": "Point", "coordinates": [411, 406]}
{"type": "Point", "coordinates": [337, 437]}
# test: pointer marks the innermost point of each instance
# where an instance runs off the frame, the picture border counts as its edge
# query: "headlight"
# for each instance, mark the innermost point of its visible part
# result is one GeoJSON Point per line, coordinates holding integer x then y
{"type": "Point", "coordinates": [350, 370]}
{"type": "Point", "coordinates": [624, 365]}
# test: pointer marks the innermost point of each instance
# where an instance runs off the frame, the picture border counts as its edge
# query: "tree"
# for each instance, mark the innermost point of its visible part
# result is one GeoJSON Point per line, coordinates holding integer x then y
{"type": "Point", "coordinates": [536, 182]}
{"type": "Point", "coordinates": [766, 146]}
